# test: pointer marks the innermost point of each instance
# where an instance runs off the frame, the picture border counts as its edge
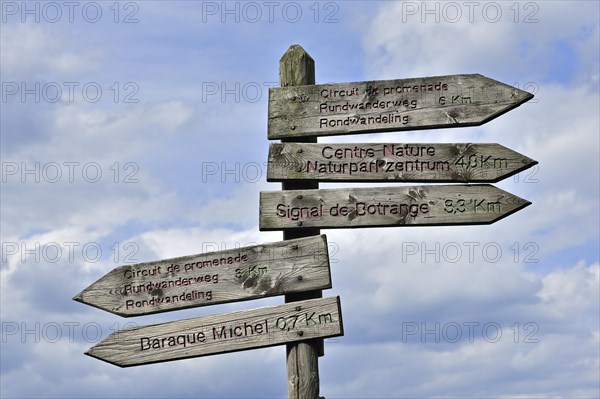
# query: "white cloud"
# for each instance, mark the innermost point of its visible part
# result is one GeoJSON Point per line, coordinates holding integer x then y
{"type": "Point", "coordinates": [572, 291]}
{"type": "Point", "coordinates": [519, 41]}
{"type": "Point", "coordinates": [171, 115]}
{"type": "Point", "coordinates": [187, 241]}
{"type": "Point", "coordinates": [35, 51]}
{"type": "Point", "coordinates": [386, 277]}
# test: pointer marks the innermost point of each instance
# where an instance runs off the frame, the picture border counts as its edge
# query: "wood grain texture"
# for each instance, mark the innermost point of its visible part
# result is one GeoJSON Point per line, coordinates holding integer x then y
{"type": "Point", "coordinates": [300, 356]}
{"type": "Point", "coordinates": [247, 273]}
{"type": "Point", "coordinates": [230, 332]}
{"type": "Point", "coordinates": [389, 105]}
{"type": "Point", "coordinates": [401, 162]}
{"type": "Point", "coordinates": [297, 67]}
{"type": "Point", "coordinates": [431, 205]}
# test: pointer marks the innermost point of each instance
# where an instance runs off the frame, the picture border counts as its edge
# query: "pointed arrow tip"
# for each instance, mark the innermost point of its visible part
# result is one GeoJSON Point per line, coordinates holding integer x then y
{"type": "Point", "coordinates": [90, 353]}
{"type": "Point", "coordinates": [528, 96]}
{"type": "Point", "coordinates": [78, 297]}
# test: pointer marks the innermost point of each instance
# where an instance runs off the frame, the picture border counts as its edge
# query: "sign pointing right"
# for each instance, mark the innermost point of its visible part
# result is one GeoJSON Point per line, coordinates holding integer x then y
{"type": "Point", "coordinates": [400, 162]}
{"type": "Point", "coordinates": [389, 105]}
{"type": "Point", "coordinates": [432, 205]}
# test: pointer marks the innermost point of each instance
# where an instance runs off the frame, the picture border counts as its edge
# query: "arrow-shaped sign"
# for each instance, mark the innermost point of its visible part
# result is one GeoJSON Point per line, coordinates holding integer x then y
{"type": "Point", "coordinates": [430, 205]}
{"type": "Point", "coordinates": [373, 162]}
{"type": "Point", "coordinates": [211, 335]}
{"type": "Point", "coordinates": [211, 278]}
{"type": "Point", "coordinates": [389, 105]}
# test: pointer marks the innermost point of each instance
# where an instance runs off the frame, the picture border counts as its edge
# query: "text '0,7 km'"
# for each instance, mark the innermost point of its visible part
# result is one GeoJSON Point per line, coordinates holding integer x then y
{"type": "Point", "coordinates": [387, 206]}
{"type": "Point", "coordinates": [389, 105]}
{"type": "Point", "coordinates": [229, 332]}
{"type": "Point", "coordinates": [212, 278]}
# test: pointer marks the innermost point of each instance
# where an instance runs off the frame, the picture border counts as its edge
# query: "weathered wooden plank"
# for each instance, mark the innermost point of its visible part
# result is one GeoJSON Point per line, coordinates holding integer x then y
{"type": "Point", "coordinates": [387, 206]}
{"type": "Point", "coordinates": [297, 67]}
{"type": "Point", "coordinates": [374, 162]}
{"type": "Point", "coordinates": [211, 278]}
{"type": "Point", "coordinates": [389, 105]}
{"type": "Point", "coordinates": [230, 332]}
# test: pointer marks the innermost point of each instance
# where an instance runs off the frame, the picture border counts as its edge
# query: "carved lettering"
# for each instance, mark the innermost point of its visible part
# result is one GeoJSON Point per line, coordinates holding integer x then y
{"type": "Point", "coordinates": [171, 341]}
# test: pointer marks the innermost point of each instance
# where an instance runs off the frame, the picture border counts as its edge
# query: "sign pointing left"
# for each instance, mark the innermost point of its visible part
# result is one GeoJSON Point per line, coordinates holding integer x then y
{"type": "Point", "coordinates": [230, 332]}
{"type": "Point", "coordinates": [211, 278]}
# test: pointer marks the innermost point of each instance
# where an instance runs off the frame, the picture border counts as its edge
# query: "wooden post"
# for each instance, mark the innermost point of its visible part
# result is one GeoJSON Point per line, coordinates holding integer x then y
{"type": "Point", "coordinates": [297, 68]}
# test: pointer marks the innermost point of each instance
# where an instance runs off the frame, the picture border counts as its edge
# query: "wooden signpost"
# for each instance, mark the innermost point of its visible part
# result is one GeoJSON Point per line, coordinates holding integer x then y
{"type": "Point", "coordinates": [432, 205]}
{"type": "Point", "coordinates": [298, 267]}
{"type": "Point", "coordinates": [300, 111]}
{"type": "Point", "coordinates": [375, 162]}
{"type": "Point", "coordinates": [212, 278]}
{"type": "Point", "coordinates": [296, 67]}
{"type": "Point", "coordinates": [211, 335]}
{"type": "Point", "coordinates": [389, 105]}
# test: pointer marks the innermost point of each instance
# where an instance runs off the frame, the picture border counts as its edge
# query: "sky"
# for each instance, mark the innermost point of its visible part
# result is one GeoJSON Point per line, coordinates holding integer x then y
{"type": "Point", "coordinates": [136, 131]}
